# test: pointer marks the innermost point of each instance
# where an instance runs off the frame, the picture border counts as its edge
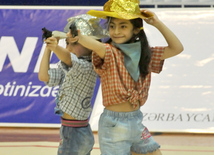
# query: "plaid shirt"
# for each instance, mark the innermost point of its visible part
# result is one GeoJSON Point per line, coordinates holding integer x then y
{"type": "Point", "coordinates": [76, 86]}
{"type": "Point", "coordinates": [117, 85]}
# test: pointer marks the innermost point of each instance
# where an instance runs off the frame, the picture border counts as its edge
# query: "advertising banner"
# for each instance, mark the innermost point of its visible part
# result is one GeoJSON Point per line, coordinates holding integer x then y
{"type": "Point", "coordinates": [181, 97]}
{"type": "Point", "coordinates": [23, 98]}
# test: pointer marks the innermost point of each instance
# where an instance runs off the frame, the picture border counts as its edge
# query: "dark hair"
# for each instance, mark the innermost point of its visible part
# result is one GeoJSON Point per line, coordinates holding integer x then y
{"type": "Point", "coordinates": [145, 49]}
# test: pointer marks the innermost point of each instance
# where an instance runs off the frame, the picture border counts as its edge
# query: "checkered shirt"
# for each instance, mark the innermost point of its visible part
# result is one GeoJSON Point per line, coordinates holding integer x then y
{"type": "Point", "coordinates": [117, 84]}
{"type": "Point", "coordinates": [76, 86]}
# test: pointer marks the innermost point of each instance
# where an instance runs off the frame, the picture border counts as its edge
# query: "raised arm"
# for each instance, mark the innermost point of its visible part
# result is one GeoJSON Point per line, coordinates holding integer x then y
{"type": "Point", "coordinates": [44, 66]}
{"type": "Point", "coordinates": [174, 45]}
{"type": "Point", "coordinates": [62, 53]}
{"type": "Point", "coordinates": [89, 43]}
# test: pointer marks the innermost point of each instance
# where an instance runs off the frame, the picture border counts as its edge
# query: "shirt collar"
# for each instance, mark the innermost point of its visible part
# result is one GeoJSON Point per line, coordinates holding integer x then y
{"type": "Point", "coordinates": [87, 57]}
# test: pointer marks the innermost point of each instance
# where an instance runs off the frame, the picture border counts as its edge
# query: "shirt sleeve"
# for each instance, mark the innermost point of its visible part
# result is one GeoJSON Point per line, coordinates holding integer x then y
{"type": "Point", "coordinates": [99, 64]}
{"type": "Point", "coordinates": [156, 62]}
{"type": "Point", "coordinates": [55, 76]}
{"type": "Point", "coordinates": [79, 66]}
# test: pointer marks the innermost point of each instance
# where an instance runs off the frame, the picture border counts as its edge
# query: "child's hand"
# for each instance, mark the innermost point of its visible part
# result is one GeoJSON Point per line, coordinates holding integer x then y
{"type": "Point", "coordinates": [52, 43]}
{"type": "Point", "coordinates": [153, 19]}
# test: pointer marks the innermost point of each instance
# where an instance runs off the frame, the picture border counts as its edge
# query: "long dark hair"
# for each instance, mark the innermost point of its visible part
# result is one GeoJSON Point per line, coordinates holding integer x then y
{"type": "Point", "coordinates": [145, 49]}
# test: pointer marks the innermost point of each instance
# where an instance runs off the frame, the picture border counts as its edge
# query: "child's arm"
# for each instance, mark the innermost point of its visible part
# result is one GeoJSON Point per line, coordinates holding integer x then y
{"type": "Point", "coordinates": [174, 45]}
{"type": "Point", "coordinates": [89, 43]}
{"type": "Point", "coordinates": [92, 44]}
{"type": "Point", "coordinates": [62, 53]}
{"type": "Point", "coordinates": [44, 66]}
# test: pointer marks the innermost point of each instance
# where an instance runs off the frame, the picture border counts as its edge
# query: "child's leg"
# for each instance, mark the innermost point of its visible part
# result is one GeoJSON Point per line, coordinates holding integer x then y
{"type": "Point", "coordinates": [123, 132]}
{"type": "Point", "coordinates": [76, 141]}
{"type": "Point", "coordinates": [157, 152]}
{"type": "Point", "coordinates": [114, 137]}
{"type": "Point", "coordinates": [144, 143]}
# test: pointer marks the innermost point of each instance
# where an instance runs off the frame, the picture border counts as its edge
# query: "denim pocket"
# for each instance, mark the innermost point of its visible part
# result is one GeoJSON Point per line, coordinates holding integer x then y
{"type": "Point", "coordinates": [65, 132]}
{"type": "Point", "coordinates": [109, 121]}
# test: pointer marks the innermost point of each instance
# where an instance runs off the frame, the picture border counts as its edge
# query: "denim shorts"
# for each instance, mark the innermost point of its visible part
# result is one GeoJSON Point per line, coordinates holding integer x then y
{"type": "Point", "coordinates": [75, 141]}
{"type": "Point", "coordinates": [121, 133]}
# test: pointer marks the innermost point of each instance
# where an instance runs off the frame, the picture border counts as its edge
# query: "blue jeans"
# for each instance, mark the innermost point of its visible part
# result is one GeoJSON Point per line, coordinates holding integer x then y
{"type": "Point", "coordinates": [121, 133]}
{"type": "Point", "coordinates": [76, 141]}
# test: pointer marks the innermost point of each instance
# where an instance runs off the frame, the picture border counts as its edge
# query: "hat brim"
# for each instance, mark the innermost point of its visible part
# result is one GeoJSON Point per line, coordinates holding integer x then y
{"type": "Point", "coordinates": [105, 14]}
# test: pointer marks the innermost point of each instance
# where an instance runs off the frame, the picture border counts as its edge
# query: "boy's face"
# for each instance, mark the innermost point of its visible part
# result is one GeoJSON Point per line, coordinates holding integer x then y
{"type": "Point", "coordinates": [77, 48]}
{"type": "Point", "coordinates": [121, 30]}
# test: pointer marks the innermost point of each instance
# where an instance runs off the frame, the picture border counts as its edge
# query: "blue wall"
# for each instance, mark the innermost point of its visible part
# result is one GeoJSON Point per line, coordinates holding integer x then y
{"type": "Point", "coordinates": [54, 2]}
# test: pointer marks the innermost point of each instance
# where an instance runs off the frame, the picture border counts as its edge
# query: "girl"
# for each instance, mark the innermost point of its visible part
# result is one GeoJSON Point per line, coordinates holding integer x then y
{"type": "Point", "coordinates": [124, 65]}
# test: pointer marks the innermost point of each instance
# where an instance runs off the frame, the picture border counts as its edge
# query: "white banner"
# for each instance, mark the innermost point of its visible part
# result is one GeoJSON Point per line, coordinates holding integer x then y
{"type": "Point", "coordinates": [181, 97]}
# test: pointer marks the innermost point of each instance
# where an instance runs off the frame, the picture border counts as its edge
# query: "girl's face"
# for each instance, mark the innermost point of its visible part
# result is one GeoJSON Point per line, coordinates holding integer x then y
{"type": "Point", "coordinates": [121, 30]}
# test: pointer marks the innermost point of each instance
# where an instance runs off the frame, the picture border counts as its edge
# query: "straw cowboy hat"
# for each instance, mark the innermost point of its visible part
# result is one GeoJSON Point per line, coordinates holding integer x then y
{"type": "Point", "coordinates": [122, 9]}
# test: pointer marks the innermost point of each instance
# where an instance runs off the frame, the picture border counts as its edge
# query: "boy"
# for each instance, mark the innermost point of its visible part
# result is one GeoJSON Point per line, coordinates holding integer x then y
{"type": "Point", "coordinates": [76, 79]}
